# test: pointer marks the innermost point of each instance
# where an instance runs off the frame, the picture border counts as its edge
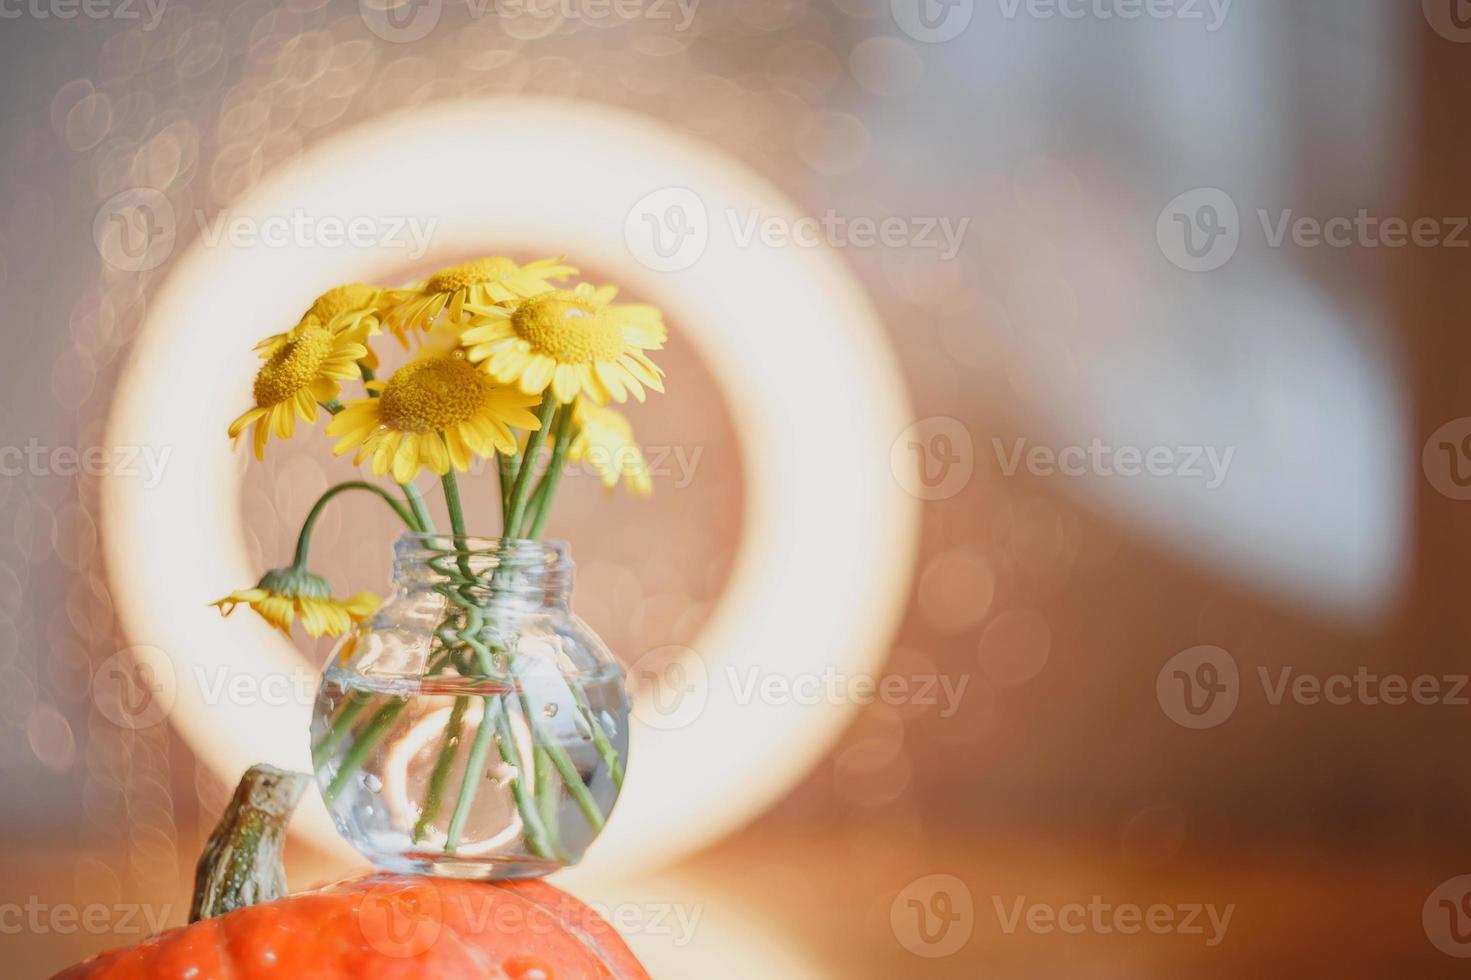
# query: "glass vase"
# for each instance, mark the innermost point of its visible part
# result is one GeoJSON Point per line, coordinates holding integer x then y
{"type": "Point", "coordinates": [475, 727]}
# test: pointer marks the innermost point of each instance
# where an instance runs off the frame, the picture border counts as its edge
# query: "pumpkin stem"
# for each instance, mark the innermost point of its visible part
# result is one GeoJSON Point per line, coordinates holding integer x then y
{"type": "Point", "coordinates": [241, 863]}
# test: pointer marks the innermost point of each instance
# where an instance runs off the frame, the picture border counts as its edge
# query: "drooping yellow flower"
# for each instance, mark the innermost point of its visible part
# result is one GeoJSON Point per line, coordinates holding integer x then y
{"type": "Point", "coordinates": [437, 411]}
{"type": "Point", "coordinates": [345, 308]}
{"type": "Point", "coordinates": [286, 593]}
{"type": "Point", "coordinates": [303, 367]}
{"type": "Point", "coordinates": [604, 440]}
{"type": "Point", "coordinates": [571, 341]}
{"type": "Point", "coordinates": [483, 282]}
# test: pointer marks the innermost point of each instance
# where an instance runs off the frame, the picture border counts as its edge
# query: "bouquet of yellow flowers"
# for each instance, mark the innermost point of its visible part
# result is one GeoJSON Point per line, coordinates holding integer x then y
{"type": "Point", "coordinates": [474, 677]}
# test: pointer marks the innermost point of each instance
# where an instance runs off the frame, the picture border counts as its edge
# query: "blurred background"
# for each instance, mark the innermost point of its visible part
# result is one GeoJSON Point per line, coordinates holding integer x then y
{"type": "Point", "coordinates": [1167, 299]}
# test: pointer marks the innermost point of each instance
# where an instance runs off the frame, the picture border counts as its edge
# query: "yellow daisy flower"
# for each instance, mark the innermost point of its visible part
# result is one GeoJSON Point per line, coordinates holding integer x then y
{"type": "Point", "coordinates": [483, 282]}
{"type": "Point", "coordinates": [437, 411]}
{"type": "Point", "coordinates": [604, 440]}
{"type": "Point", "coordinates": [285, 593]}
{"type": "Point", "coordinates": [345, 308]}
{"type": "Point", "coordinates": [303, 367]}
{"type": "Point", "coordinates": [571, 341]}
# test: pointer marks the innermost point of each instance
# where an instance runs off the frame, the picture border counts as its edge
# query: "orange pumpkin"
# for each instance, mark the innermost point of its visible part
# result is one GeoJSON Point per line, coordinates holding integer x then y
{"type": "Point", "coordinates": [382, 927]}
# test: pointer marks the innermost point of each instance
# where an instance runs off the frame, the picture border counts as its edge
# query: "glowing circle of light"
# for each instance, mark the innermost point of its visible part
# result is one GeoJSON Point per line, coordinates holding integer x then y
{"type": "Point", "coordinates": [822, 570]}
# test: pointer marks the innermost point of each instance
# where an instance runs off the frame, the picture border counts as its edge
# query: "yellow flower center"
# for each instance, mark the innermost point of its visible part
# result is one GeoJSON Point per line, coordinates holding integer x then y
{"type": "Point", "coordinates": [293, 366]}
{"type": "Point", "coordinates": [470, 273]}
{"type": "Point", "coordinates": [335, 302]}
{"type": "Point", "coordinates": [568, 329]}
{"type": "Point", "coordinates": [433, 395]}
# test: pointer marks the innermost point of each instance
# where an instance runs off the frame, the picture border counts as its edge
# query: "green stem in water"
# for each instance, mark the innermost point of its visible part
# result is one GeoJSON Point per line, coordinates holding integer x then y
{"type": "Point", "coordinates": [342, 723]}
{"type": "Point", "coordinates": [521, 491]}
{"type": "Point", "coordinates": [546, 491]}
{"type": "Point", "coordinates": [474, 767]}
{"type": "Point", "coordinates": [570, 776]}
{"type": "Point", "coordinates": [304, 540]}
{"type": "Point", "coordinates": [536, 836]}
{"type": "Point", "coordinates": [434, 798]}
{"type": "Point", "coordinates": [599, 737]}
{"type": "Point", "coordinates": [546, 793]}
{"type": "Point", "coordinates": [362, 745]}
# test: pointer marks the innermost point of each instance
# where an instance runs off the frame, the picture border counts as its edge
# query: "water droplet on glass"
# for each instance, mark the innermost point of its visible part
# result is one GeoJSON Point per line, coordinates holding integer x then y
{"type": "Point", "coordinates": [549, 709]}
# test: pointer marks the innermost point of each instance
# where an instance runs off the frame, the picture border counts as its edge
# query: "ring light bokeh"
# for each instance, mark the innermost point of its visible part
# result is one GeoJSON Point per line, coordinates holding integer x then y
{"type": "Point", "coordinates": [828, 537]}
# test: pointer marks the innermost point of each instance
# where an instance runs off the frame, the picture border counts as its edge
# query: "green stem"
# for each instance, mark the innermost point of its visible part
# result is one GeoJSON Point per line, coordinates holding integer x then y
{"type": "Point", "coordinates": [516, 510]}
{"type": "Point", "coordinates": [304, 540]}
{"type": "Point", "coordinates": [541, 500]}
{"type": "Point", "coordinates": [421, 511]}
{"type": "Point", "coordinates": [570, 776]}
{"type": "Point", "coordinates": [362, 745]}
{"type": "Point", "coordinates": [505, 469]}
{"type": "Point", "coordinates": [452, 504]}
{"type": "Point", "coordinates": [342, 723]}
{"type": "Point", "coordinates": [475, 766]}
{"type": "Point", "coordinates": [377, 727]}
{"type": "Point", "coordinates": [599, 737]}
{"type": "Point", "coordinates": [434, 798]}
{"type": "Point", "coordinates": [546, 793]}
